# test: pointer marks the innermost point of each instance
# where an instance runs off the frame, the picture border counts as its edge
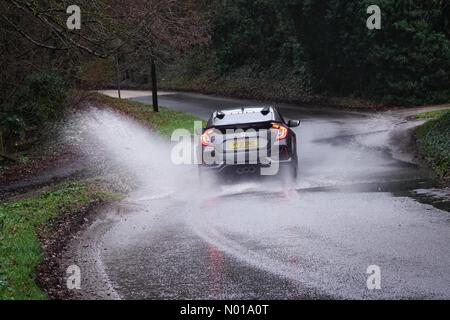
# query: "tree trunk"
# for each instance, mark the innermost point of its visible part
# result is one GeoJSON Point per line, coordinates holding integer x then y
{"type": "Point", "coordinates": [154, 88]}
{"type": "Point", "coordinates": [118, 76]}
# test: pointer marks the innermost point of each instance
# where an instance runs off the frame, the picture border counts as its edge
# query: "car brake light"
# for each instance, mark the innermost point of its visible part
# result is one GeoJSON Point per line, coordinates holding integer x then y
{"type": "Point", "coordinates": [205, 138]}
{"type": "Point", "coordinates": [282, 131]}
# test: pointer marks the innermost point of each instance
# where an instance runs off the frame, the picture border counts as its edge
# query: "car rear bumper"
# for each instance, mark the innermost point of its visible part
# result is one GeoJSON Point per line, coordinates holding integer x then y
{"type": "Point", "coordinates": [249, 168]}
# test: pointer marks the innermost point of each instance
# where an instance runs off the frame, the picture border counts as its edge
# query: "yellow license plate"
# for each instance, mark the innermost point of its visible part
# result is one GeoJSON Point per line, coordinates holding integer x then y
{"type": "Point", "coordinates": [243, 144]}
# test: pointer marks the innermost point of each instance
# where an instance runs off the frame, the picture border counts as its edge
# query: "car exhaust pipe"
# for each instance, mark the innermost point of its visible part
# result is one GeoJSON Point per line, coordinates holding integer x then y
{"type": "Point", "coordinates": [246, 170]}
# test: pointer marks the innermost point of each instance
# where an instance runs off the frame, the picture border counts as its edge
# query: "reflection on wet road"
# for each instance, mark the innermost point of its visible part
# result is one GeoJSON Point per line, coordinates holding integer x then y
{"type": "Point", "coordinates": [175, 239]}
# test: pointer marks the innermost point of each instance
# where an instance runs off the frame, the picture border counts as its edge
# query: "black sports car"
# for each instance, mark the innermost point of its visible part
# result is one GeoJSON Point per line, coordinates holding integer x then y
{"type": "Point", "coordinates": [249, 140]}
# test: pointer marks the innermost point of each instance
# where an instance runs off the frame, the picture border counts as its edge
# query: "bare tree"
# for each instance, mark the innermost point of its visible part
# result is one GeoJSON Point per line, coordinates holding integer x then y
{"type": "Point", "coordinates": [153, 30]}
{"type": "Point", "coordinates": [34, 33]}
{"type": "Point", "coordinates": [43, 24]}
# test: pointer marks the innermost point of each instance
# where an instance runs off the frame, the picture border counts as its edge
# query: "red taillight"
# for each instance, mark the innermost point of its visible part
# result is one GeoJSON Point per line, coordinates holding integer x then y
{"type": "Point", "coordinates": [205, 138]}
{"type": "Point", "coordinates": [282, 131]}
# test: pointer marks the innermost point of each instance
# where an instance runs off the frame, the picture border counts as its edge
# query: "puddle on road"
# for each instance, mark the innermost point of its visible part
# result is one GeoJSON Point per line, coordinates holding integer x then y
{"type": "Point", "coordinates": [438, 198]}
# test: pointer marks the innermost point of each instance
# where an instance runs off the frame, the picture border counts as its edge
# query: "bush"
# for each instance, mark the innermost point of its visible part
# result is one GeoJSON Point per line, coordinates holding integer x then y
{"type": "Point", "coordinates": [433, 140]}
{"type": "Point", "coordinates": [40, 100]}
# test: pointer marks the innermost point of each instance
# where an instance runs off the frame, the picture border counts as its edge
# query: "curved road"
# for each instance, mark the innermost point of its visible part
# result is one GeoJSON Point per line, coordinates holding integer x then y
{"type": "Point", "coordinates": [352, 207]}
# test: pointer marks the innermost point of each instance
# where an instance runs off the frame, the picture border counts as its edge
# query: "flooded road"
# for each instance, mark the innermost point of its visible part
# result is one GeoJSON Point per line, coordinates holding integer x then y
{"type": "Point", "coordinates": [351, 208]}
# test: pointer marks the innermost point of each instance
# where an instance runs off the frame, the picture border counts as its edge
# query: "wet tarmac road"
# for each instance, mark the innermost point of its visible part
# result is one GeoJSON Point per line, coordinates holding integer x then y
{"type": "Point", "coordinates": [350, 208]}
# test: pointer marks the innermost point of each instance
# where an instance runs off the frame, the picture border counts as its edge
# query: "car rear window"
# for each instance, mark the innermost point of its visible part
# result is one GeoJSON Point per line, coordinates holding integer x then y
{"type": "Point", "coordinates": [239, 116]}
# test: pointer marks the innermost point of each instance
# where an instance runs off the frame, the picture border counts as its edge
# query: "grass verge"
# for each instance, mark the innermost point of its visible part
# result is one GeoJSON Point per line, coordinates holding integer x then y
{"type": "Point", "coordinates": [20, 249]}
{"type": "Point", "coordinates": [165, 121]}
{"type": "Point", "coordinates": [432, 114]}
{"type": "Point", "coordinates": [433, 140]}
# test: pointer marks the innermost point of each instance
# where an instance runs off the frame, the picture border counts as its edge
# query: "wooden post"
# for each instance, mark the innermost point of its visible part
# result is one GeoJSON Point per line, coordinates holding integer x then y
{"type": "Point", "coordinates": [118, 75]}
{"type": "Point", "coordinates": [154, 88]}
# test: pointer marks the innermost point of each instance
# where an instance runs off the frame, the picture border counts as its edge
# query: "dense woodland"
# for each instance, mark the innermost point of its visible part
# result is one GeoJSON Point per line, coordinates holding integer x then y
{"type": "Point", "coordinates": [294, 48]}
{"type": "Point", "coordinates": [325, 47]}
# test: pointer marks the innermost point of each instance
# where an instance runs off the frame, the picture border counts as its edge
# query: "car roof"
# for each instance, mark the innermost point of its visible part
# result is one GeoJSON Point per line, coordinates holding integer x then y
{"type": "Point", "coordinates": [242, 115]}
